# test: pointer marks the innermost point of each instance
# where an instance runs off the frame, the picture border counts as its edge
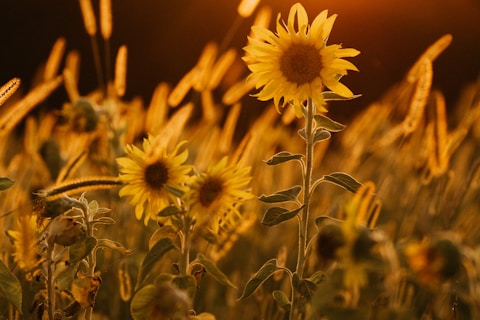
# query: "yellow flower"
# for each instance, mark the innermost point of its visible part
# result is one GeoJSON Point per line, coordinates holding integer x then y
{"type": "Point", "coordinates": [295, 63]}
{"type": "Point", "coordinates": [153, 177]}
{"type": "Point", "coordinates": [27, 248]}
{"type": "Point", "coordinates": [214, 196]}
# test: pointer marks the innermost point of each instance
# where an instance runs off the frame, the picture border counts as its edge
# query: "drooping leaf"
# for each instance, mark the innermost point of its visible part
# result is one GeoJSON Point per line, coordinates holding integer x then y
{"type": "Point", "coordinates": [5, 183]}
{"type": "Point", "coordinates": [169, 211]}
{"type": "Point", "coordinates": [325, 122]}
{"type": "Point", "coordinates": [10, 287]}
{"type": "Point", "coordinates": [283, 156]}
{"type": "Point", "coordinates": [320, 135]}
{"type": "Point", "coordinates": [113, 245]}
{"type": "Point", "coordinates": [331, 96]}
{"type": "Point", "coordinates": [276, 215]}
{"type": "Point", "coordinates": [214, 271]}
{"type": "Point", "coordinates": [104, 220]}
{"type": "Point", "coordinates": [282, 196]}
{"type": "Point", "coordinates": [259, 278]}
{"type": "Point", "coordinates": [282, 300]}
{"type": "Point", "coordinates": [64, 279]}
{"type": "Point", "coordinates": [81, 249]}
{"type": "Point", "coordinates": [343, 180]}
{"type": "Point", "coordinates": [304, 286]}
{"type": "Point", "coordinates": [154, 255]}
{"type": "Point", "coordinates": [318, 277]}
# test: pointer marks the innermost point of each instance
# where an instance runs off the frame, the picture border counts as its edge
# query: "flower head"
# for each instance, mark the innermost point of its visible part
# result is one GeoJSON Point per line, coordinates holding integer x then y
{"type": "Point", "coordinates": [295, 63]}
{"type": "Point", "coordinates": [154, 178]}
{"type": "Point", "coordinates": [215, 195]}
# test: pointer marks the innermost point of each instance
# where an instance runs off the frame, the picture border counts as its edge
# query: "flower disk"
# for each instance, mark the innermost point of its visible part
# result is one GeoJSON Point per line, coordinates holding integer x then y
{"type": "Point", "coordinates": [295, 64]}
{"type": "Point", "coordinates": [215, 195]}
{"type": "Point", "coordinates": [153, 178]}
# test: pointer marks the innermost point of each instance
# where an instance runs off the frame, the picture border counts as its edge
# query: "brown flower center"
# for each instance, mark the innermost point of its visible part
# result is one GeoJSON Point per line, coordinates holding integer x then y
{"type": "Point", "coordinates": [301, 63]}
{"type": "Point", "coordinates": [156, 175]}
{"type": "Point", "coordinates": [209, 191]}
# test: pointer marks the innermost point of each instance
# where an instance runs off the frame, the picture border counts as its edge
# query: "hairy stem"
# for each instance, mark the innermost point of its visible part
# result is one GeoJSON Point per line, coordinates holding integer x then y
{"type": "Point", "coordinates": [303, 219]}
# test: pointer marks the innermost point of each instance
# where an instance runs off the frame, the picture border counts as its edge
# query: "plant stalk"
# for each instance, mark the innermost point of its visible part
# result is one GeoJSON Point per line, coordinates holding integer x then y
{"type": "Point", "coordinates": [303, 220]}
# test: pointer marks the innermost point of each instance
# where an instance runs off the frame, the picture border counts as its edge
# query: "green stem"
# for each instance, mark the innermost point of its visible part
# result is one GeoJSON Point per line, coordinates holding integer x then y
{"type": "Point", "coordinates": [92, 256]}
{"type": "Point", "coordinates": [50, 286]}
{"type": "Point", "coordinates": [185, 247]}
{"type": "Point", "coordinates": [303, 220]}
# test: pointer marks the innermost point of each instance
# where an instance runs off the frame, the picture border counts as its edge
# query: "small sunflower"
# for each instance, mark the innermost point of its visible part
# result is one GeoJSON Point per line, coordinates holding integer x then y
{"type": "Point", "coordinates": [216, 194]}
{"type": "Point", "coordinates": [295, 63]}
{"type": "Point", "coordinates": [153, 177]}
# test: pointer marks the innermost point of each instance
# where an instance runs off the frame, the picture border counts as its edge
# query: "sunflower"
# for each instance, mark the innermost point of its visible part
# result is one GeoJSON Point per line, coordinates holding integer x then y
{"type": "Point", "coordinates": [295, 63]}
{"type": "Point", "coordinates": [153, 178]}
{"type": "Point", "coordinates": [215, 195]}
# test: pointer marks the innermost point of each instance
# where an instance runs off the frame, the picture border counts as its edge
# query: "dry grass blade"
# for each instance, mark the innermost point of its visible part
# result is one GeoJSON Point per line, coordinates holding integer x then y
{"type": "Point", "coordinates": [88, 17]}
{"type": "Point", "coordinates": [228, 131]}
{"type": "Point", "coordinates": [238, 90]}
{"type": "Point", "coordinates": [121, 71]}
{"type": "Point", "coordinates": [158, 109]}
{"type": "Point", "coordinates": [54, 59]}
{"type": "Point", "coordinates": [8, 89]}
{"type": "Point", "coordinates": [181, 89]}
{"type": "Point", "coordinates": [20, 109]}
{"type": "Point", "coordinates": [246, 7]}
{"type": "Point", "coordinates": [106, 25]}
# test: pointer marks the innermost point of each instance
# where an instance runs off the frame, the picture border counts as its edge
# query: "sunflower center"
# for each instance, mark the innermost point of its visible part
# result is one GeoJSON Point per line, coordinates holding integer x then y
{"type": "Point", "coordinates": [301, 63]}
{"type": "Point", "coordinates": [156, 175]}
{"type": "Point", "coordinates": [209, 191]}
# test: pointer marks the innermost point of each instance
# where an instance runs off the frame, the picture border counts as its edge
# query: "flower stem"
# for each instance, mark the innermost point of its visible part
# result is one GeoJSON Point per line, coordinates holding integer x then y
{"type": "Point", "coordinates": [92, 256]}
{"type": "Point", "coordinates": [185, 247]}
{"type": "Point", "coordinates": [50, 286]}
{"type": "Point", "coordinates": [303, 220]}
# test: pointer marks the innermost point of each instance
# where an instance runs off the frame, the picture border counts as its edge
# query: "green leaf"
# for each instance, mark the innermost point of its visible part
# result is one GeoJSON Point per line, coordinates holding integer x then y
{"type": "Point", "coordinates": [154, 255]}
{"type": "Point", "coordinates": [282, 300]}
{"type": "Point", "coordinates": [176, 192]}
{"type": "Point", "coordinates": [63, 280]}
{"type": "Point", "coordinates": [169, 211]}
{"type": "Point", "coordinates": [214, 271]}
{"type": "Point", "coordinates": [113, 245]}
{"type": "Point", "coordinates": [276, 215]}
{"type": "Point", "coordinates": [303, 286]}
{"type": "Point", "coordinates": [10, 287]}
{"type": "Point", "coordinates": [320, 135]}
{"type": "Point", "coordinates": [325, 122]}
{"type": "Point", "coordinates": [325, 219]}
{"type": "Point", "coordinates": [318, 277]}
{"type": "Point", "coordinates": [141, 305]}
{"type": "Point", "coordinates": [259, 278]}
{"type": "Point", "coordinates": [331, 96]}
{"type": "Point", "coordinates": [283, 156]}
{"type": "Point", "coordinates": [81, 249]}
{"type": "Point", "coordinates": [282, 196]}
{"type": "Point", "coordinates": [186, 283]}
{"type": "Point", "coordinates": [343, 180]}
{"type": "Point", "coordinates": [5, 183]}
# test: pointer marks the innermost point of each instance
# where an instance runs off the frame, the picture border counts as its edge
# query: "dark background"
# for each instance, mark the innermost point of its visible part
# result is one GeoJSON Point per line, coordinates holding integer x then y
{"type": "Point", "coordinates": [165, 38]}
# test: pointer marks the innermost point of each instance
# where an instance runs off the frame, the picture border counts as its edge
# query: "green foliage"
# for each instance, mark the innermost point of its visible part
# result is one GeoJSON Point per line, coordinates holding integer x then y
{"type": "Point", "coordinates": [265, 272]}
{"type": "Point", "coordinates": [214, 271]}
{"type": "Point", "coordinates": [283, 156]}
{"type": "Point", "coordinates": [154, 255]}
{"type": "Point", "coordinates": [82, 248]}
{"type": "Point", "coordinates": [5, 183]}
{"type": "Point", "coordinates": [343, 180]}
{"type": "Point", "coordinates": [276, 215]}
{"type": "Point", "coordinates": [290, 194]}
{"type": "Point", "coordinates": [10, 287]}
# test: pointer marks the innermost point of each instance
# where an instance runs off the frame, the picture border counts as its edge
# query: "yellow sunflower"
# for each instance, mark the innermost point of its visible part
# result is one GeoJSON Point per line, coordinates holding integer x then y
{"type": "Point", "coordinates": [215, 195]}
{"type": "Point", "coordinates": [295, 63]}
{"type": "Point", "coordinates": [153, 177]}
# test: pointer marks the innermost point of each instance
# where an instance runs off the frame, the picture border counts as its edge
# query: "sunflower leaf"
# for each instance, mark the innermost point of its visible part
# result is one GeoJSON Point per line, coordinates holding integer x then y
{"type": "Point", "coordinates": [169, 211]}
{"type": "Point", "coordinates": [282, 196]}
{"type": "Point", "coordinates": [320, 135]}
{"type": "Point", "coordinates": [154, 255]}
{"type": "Point", "coordinates": [10, 287]}
{"type": "Point", "coordinates": [141, 305]}
{"type": "Point", "coordinates": [81, 249]}
{"type": "Point", "coordinates": [214, 271]}
{"type": "Point", "coordinates": [259, 278]}
{"type": "Point", "coordinates": [113, 245]}
{"type": "Point", "coordinates": [325, 122]}
{"type": "Point", "coordinates": [276, 215]}
{"type": "Point", "coordinates": [282, 299]}
{"type": "Point", "coordinates": [5, 183]}
{"type": "Point", "coordinates": [343, 180]}
{"type": "Point", "coordinates": [283, 156]}
{"type": "Point", "coordinates": [331, 96]}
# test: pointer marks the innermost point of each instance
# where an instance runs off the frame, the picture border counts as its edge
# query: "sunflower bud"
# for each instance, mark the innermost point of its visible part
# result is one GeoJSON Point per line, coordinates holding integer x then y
{"type": "Point", "coordinates": [65, 231]}
{"type": "Point", "coordinates": [330, 238]}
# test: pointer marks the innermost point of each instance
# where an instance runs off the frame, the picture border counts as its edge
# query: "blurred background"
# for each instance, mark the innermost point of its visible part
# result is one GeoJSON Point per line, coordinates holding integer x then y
{"type": "Point", "coordinates": [165, 38]}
